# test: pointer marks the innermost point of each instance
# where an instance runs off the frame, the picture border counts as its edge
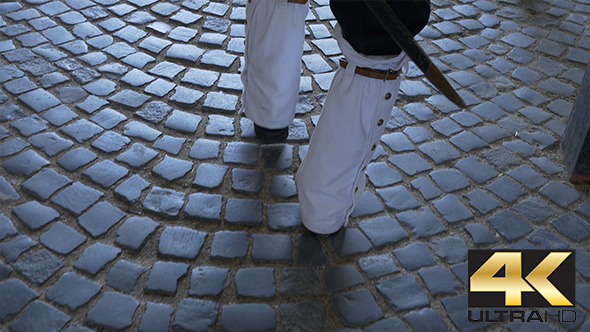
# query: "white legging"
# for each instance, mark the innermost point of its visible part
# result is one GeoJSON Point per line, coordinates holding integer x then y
{"type": "Point", "coordinates": [275, 32]}
{"type": "Point", "coordinates": [331, 178]}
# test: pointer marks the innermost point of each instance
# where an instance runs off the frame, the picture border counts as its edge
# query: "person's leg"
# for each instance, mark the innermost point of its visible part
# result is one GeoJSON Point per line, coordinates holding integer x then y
{"type": "Point", "coordinates": [275, 32]}
{"type": "Point", "coordinates": [331, 178]}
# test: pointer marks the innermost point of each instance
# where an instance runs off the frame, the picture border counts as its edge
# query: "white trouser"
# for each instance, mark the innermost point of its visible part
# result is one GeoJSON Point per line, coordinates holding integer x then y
{"type": "Point", "coordinates": [331, 179]}
{"type": "Point", "coordinates": [275, 32]}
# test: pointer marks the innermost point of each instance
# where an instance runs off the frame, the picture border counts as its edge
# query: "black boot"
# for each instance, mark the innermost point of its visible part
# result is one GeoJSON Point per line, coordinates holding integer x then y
{"type": "Point", "coordinates": [270, 136]}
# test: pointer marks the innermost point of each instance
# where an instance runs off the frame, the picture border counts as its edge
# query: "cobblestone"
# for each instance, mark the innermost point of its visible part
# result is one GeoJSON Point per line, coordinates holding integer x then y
{"type": "Point", "coordinates": [243, 211]}
{"type": "Point", "coordinates": [229, 244]}
{"type": "Point", "coordinates": [76, 158]}
{"type": "Point", "coordinates": [271, 248]}
{"type": "Point", "coordinates": [164, 277]}
{"type": "Point", "coordinates": [439, 280]}
{"type": "Point", "coordinates": [451, 249]}
{"type": "Point", "coordinates": [196, 314]}
{"type": "Point", "coordinates": [357, 307]}
{"type": "Point", "coordinates": [348, 242]}
{"type": "Point", "coordinates": [106, 173]}
{"type": "Point", "coordinates": [62, 239]}
{"type": "Point", "coordinates": [82, 130]}
{"type": "Point", "coordinates": [377, 266]}
{"type": "Point", "coordinates": [14, 248]}
{"type": "Point", "coordinates": [572, 227]}
{"type": "Point", "coordinates": [310, 252]}
{"type": "Point", "coordinates": [25, 163]}
{"type": "Point", "coordinates": [414, 256]}
{"type": "Point", "coordinates": [251, 316]}
{"type": "Point", "coordinates": [181, 242]}
{"type": "Point", "coordinates": [34, 214]}
{"type": "Point", "coordinates": [452, 209]}
{"type": "Point", "coordinates": [156, 317]}
{"type": "Point", "coordinates": [40, 315]}
{"type": "Point", "coordinates": [383, 230]}
{"type": "Point", "coordinates": [73, 290]}
{"type": "Point", "coordinates": [566, 194]}
{"type": "Point", "coordinates": [172, 168]}
{"type": "Point", "coordinates": [293, 315]}
{"type": "Point", "coordinates": [403, 292]}
{"type": "Point", "coordinates": [6, 227]}
{"type": "Point", "coordinates": [165, 201]}
{"type": "Point", "coordinates": [210, 175]}
{"type": "Point", "coordinates": [39, 266]}
{"type": "Point", "coordinates": [113, 310]}
{"type": "Point", "coordinates": [482, 201]}
{"type": "Point", "coordinates": [426, 319]}
{"type": "Point", "coordinates": [255, 282]}
{"type": "Point", "coordinates": [95, 257]}
{"type": "Point", "coordinates": [509, 225]}
{"type": "Point", "coordinates": [424, 223]}
{"type": "Point", "coordinates": [15, 296]}
{"type": "Point", "coordinates": [208, 280]}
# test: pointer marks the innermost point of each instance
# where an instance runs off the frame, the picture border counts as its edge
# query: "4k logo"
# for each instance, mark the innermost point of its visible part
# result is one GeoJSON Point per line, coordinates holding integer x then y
{"type": "Point", "coordinates": [527, 278]}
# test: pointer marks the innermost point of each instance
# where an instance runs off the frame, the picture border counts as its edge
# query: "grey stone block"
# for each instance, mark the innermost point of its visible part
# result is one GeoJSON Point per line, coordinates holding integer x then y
{"type": "Point", "coordinates": [164, 277]}
{"type": "Point", "coordinates": [414, 256]}
{"type": "Point", "coordinates": [95, 257]}
{"type": "Point", "coordinates": [113, 310]}
{"type": "Point", "coordinates": [62, 239]}
{"type": "Point", "coordinates": [357, 307]}
{"type": "Point", "coordinates": [350, 241]}
{"type": "Point", "coordinates": [14, 296]}
{"type": "Point", "coordinates": [156, 317]}
{"type": "Point", "coordinates": [73, 290]}
{"type": "Point", "coordinates": [296, 281]}
{"type": "Point", "coordinates": [403, 292]}
{"type": "Point", "coordinates": [34, 214]}
{"type": "Point", "coordinates": [248, 316]}
{"type": "Point", "coordinates": [40, 316]}
{"type": "Point", "coordinates": [207, 280]}
{"type": "Point", "coordinates": [273, 248]}
{"type": "Point", "coordinates": [123, 276]}
{"type": "Point", "coordinates": [39, 266]}
{"type": "Point", "coordinates": [256, 282]}
{"type": "Point", "coordinates": [164, 201]}
{"type": "Point", "coordinates": [305, 315]}
{"type": "Point", "coordinates": [12, 249]}
{"type": "Point", "coordinates": [181, 242]}
{"type": "Point", "coordinates": [377, 266]}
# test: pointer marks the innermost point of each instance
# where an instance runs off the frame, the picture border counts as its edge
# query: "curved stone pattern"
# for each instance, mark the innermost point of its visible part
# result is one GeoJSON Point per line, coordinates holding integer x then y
{"type": "Point", "coordinates": [134, 197]}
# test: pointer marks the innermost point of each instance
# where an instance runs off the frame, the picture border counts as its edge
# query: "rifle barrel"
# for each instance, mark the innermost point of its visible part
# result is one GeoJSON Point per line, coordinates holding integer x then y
{"type": "Point", "coordinates": [405, 40]}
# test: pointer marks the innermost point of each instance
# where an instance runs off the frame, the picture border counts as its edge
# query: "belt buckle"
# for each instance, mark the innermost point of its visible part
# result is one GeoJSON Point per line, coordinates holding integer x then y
{"type": "Point", "coordinates": [389, 71]}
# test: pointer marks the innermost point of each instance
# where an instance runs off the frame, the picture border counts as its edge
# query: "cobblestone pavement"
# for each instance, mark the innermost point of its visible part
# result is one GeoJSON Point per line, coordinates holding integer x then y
{"type": "Point", "coordinates": [135, 197]}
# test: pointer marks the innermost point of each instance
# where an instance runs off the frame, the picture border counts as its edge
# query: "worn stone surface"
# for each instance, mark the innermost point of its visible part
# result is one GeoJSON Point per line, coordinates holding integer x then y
{"type": "Point", "coordinates": [95, 257]}
{"type": "Point", "coordinates": [181, 242]}
{"type": "Point", "coordinates": [113, 310]}
{"type": "Point", "coordinates": [208, 280]}
{"type": "Point", "coordinates": [15, 295]}
{"type": "Point", "coordinates": [357, 307]}
{"type": "Point", "coordinates": [39, 266]}
{"type": "Point", "coordinates": [254, 316]}
{"type": "Point", "coordinates": [62, 238]}
{"type": "Point", "coordinates": [164, 277]}
{"type": "Point", "coordinates": [73, 290]}
{"type": "Point", "coordinates": [196, 314]}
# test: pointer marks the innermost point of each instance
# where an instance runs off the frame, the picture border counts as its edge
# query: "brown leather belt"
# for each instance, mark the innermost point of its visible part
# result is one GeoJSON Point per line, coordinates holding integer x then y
{"type": "Point", "coordinates": [373, 73]}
